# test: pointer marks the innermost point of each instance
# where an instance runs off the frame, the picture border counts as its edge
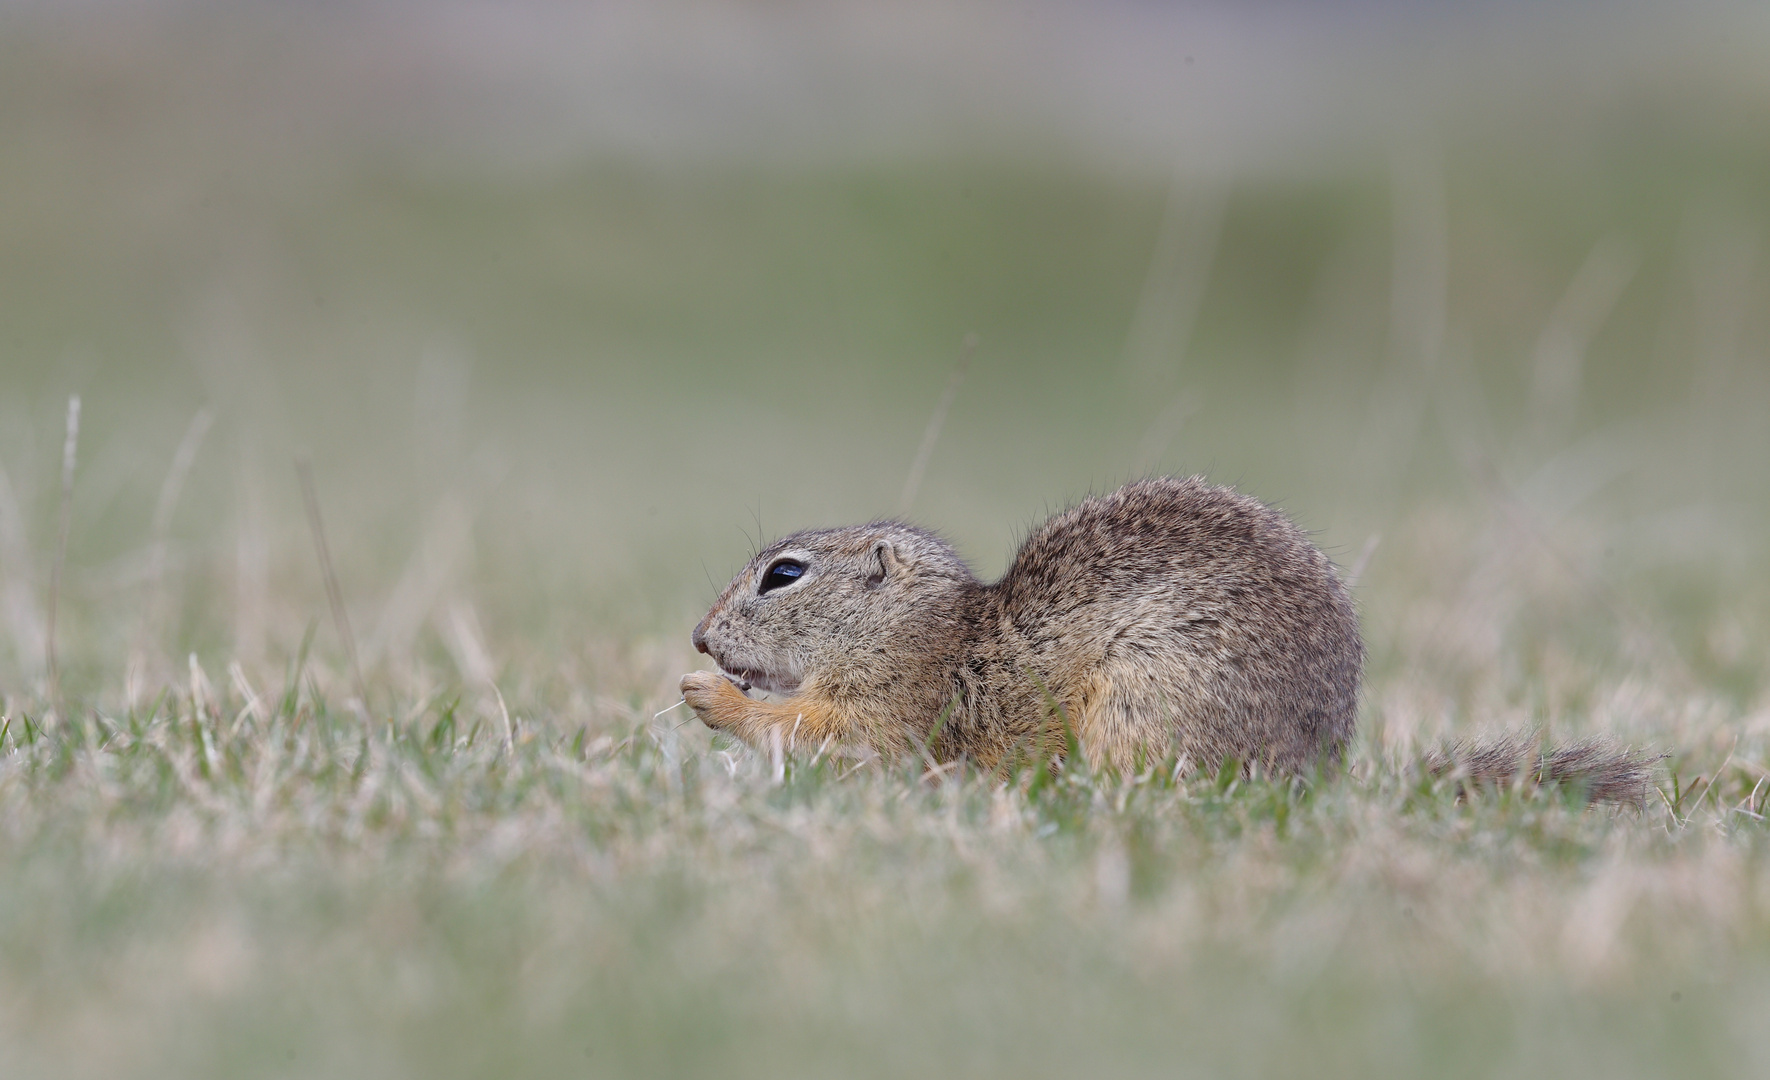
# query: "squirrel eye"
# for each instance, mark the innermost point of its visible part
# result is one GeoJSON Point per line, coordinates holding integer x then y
{"type": "Point", "coordinates": [780, 574]}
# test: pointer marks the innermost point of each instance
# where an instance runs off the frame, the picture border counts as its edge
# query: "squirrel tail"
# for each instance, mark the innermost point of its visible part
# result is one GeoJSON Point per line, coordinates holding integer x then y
{"type": "Point", "coordinates": [1600, 768]}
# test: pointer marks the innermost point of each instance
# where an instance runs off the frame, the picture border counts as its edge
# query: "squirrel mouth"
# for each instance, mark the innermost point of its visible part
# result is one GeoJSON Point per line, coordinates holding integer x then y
{"type": "Point", "coordinates": [757, 679]}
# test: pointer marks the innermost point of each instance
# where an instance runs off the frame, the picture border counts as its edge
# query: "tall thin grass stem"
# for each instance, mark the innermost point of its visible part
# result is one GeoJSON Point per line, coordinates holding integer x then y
{"type": "Point", "coordinates": [1356, 574]}
{"type": "Point", "coordinates": [334, 595]}
{"type": "Point", "coordinates": [1180, 267]}
{"type": "Point", "coordinates": [182, 460]}
{"type": "Point", "coordinates": [69, 453]}
{"type": "Point", "coordinates": [504, 713]}
{"type": "Point", "coordinates": [931, 434]}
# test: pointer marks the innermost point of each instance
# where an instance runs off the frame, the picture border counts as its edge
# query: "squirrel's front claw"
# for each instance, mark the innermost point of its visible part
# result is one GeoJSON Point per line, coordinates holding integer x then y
{"type": "Point", "coordinates": [709, 693]}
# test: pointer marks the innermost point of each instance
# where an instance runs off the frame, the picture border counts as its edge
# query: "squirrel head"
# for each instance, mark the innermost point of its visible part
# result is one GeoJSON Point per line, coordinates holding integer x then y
{"type": "Point", "coordinates": [817, 603]}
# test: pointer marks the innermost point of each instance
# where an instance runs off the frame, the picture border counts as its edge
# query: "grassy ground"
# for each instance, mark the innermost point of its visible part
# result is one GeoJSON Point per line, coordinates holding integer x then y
{"type": "Point", "coordinates": [1514, 372]}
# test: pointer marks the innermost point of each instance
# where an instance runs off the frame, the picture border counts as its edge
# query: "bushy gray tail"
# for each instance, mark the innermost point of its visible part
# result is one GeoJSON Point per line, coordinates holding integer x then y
{"type": "Point", "coordinates": [1600, 768]}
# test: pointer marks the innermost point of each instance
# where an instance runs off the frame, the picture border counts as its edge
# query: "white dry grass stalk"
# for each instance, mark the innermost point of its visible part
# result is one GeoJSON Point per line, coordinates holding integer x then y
{"type": "Point", "coordinates": [465, 641]}
{"type": "Point", "coordinates": [1420, 285]}
{"type": "Point", "coordinates": [251, 566]}
{"type": "Point", "coordinates": [1174, 284]}
{"type": "Point", "coordinates": [153, 611]}
{"type": "Point", "coordinates": [931, 434]}
{"type": "Point", "coordinates": [1388, 440]}
{"type": "Point", "coordinates": [1558, 361]}
{"type": "Point", "coordinates": [334, 595]}
{"type": "Point", "coordinates": [504, 714]}
{"type": "Point", "coordinates": [203, 697]}
{"type": "Point", "coordinates": [64, 524]}
{"type": "Point", "coordinates": [1362, 563]}
{"type": "Point", "coordinates": [252, 705]}
{"type": "Point", "coordinates": [443, 550]}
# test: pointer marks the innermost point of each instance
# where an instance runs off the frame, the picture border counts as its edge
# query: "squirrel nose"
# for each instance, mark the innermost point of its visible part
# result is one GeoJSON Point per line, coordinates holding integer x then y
{"type": "Point", "coordinates": [699, 637]}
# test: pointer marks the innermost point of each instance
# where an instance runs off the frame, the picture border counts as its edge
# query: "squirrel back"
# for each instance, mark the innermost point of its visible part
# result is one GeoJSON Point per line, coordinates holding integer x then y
{"type": "Point", "coordinates": [1173, 615]}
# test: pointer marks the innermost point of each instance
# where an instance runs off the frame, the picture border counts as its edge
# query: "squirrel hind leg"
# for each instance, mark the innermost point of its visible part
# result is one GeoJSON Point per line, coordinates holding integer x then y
{"type": "Point", "coordinates": [1131, 715]}
{"type": "Point", "coordinates": [1127, 718]}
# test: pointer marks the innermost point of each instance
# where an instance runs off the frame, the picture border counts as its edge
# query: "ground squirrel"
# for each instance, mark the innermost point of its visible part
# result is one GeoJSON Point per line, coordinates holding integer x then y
{"type": "Point", "coordinates": [1169, 618]}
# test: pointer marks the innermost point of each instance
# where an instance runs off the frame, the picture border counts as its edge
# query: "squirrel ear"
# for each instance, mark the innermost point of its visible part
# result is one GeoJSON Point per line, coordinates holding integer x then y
{"type": "Point", "coordinates": [887, 561]}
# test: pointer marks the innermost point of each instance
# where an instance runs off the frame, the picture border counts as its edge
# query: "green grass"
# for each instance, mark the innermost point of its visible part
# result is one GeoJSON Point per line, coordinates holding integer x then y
{"type": "Point", "coordinates": [199, 888]}
{"type": "Point", "coordinates": [550, 407]}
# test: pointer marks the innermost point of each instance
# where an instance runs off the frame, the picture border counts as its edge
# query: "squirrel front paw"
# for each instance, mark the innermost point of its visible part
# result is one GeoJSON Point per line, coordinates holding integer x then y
{"type": "Point", "coordinates": [711, 694]}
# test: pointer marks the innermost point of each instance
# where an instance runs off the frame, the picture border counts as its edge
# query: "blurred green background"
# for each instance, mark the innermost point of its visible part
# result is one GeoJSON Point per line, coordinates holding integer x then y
{"type": "Point", "coordinates": [629, 287]}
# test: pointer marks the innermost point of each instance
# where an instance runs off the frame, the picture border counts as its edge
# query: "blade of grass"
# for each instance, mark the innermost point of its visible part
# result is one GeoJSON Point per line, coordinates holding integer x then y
{"type": "Point", "coordinates": [69, 450]}
{"type": "Point", "coordinates": [334, 596]}
{"type": "Point", "coordinates": [931, 434]}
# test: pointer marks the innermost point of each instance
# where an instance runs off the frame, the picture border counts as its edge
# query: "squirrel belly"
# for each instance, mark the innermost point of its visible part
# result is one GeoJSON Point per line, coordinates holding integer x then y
{"type": "Point", "coordinates": [1169, 617]}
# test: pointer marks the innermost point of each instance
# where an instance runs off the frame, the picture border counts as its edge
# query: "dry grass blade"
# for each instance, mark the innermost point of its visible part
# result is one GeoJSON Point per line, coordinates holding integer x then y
{"type": "Point", "coordinates": [931, 434]}
{"type": "Point", "coordinates": [1174, 285]}
{"type": "Point", "coordinates": [152, 611]}
{"type": "Point", "coordinates": [334, 596]}
{"type": "Point", "coordinates": [65, 521]}
{"type": "Point", "coordinates": [1356, 574]}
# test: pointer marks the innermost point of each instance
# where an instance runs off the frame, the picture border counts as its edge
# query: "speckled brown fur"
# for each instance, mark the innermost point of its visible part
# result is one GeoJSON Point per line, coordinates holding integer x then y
{"type": "Point", "coordinates": [1596, 767]}
{"type": "Point", "coordinates": [1169, 617]}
